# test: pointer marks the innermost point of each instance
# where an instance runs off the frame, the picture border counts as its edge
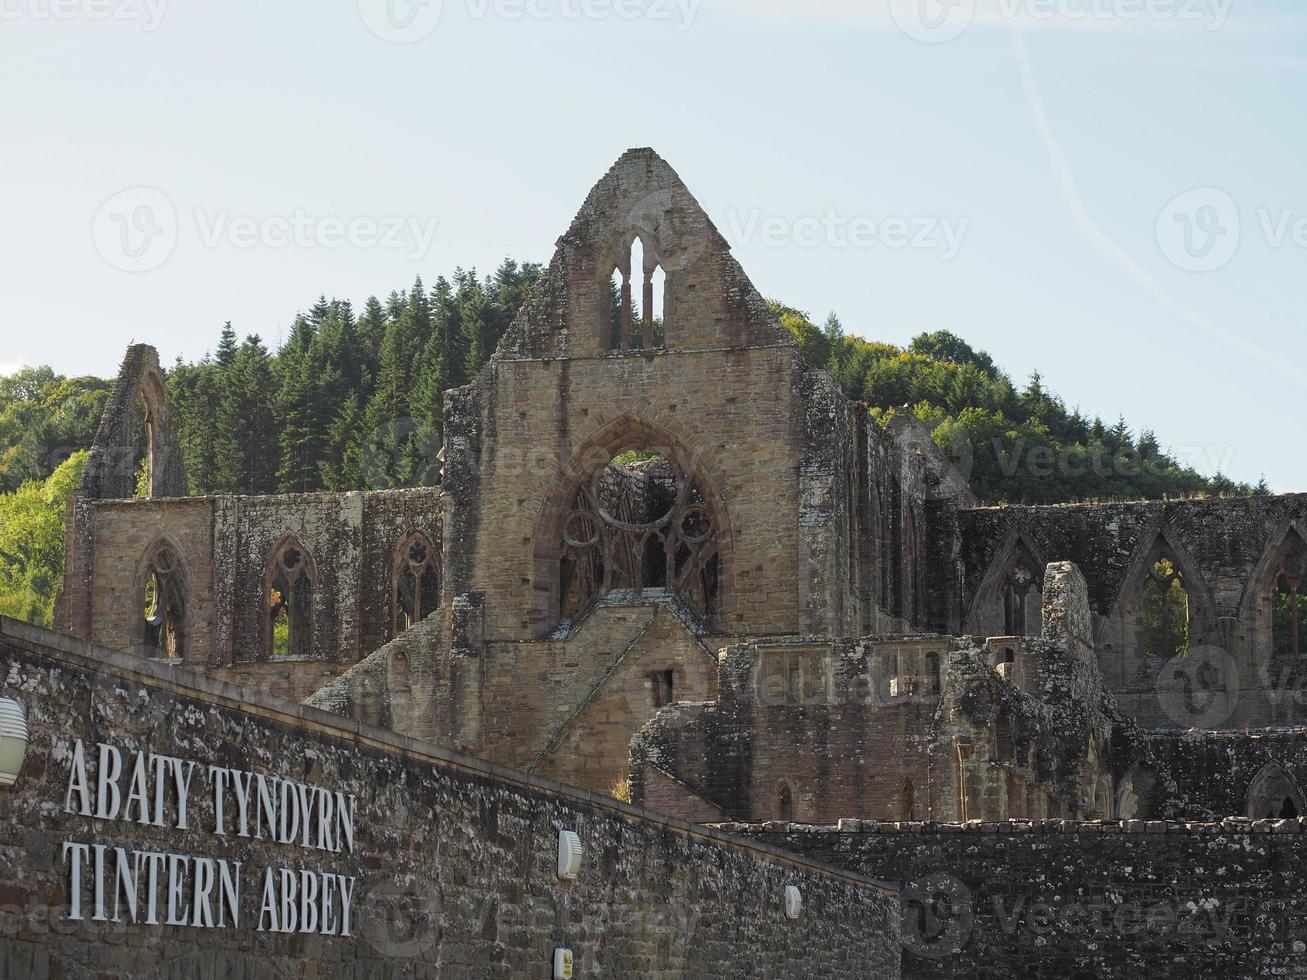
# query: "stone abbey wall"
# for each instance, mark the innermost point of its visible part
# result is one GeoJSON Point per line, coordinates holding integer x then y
{"type": "Point", "coordinates": [452, 870]}
{"type": "Point", "coordinates": [1067, 900]}
{"type": "Point", "coordinates": [780, 529]}
{"type": "Point", "coordinates": [1229, 553]}
{"type": "Point", "coordinates": [929, 727]}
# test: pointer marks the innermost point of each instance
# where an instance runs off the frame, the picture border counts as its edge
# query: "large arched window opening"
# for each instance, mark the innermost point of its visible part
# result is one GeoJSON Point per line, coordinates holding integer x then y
{"type": "Point", "coordinates": [641, 522]}
{"type": "Point", "coordinates": [415, 583]}
{"type": "Point", "coordinates": [1273, 795]}
{"type": "Point", "coordinates": [1165, 609]}
{"type": "Point", "coordinates": [163, 598]}
{"type": "Point", "coordinates": [637, 308]}
{"type": "Point", "coordinates": [1022, 599]}
{"type": "Point", "coordinates": [290, 584]}
{"type": "Point", "coordinates": [1289, 601]}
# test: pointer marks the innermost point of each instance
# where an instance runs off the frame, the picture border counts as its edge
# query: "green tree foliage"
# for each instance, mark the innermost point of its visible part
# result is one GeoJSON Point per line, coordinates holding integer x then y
{"type": "Point", "coordinates": [32, 542]}
{"type": "Point", "coordinates": [1015, 445]}
{"type": "Point", "coordinates": [352, 402]}
{"type": "Point", "coordinates": [44, 419]}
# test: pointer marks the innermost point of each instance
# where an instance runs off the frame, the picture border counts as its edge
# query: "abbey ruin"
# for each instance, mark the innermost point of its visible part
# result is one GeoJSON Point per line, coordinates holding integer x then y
{"type": "Point", "coordinates": [667, 558]}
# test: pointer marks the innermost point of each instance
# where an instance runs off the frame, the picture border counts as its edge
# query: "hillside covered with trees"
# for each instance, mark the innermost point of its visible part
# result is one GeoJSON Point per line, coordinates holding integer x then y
{"type": "Point", "coordinates": [352, 400]}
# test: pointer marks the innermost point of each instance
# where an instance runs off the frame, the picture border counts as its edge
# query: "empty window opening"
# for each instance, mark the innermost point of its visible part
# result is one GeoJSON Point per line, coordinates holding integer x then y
{"type": "Point", "coordinates": [1289, 604]}
{"type": "Point", "coordinates": [1165, 611]}
{"type": "Point", "coordinates": [1019, 593]}
{"type": "Point", "coordinates": [1273, 795]}
{"type": "Point", "coordinates": [637, 300]}
{"type": "Point", "coordinates": [663, 685]}
{"type": "Point", "coordinates": [416, 583]}
{"type": "Point", "coordinates": [290, 603]}
{"type": "Point", "coordinates": [639, 523]}
{"type": "Point", "coordinates": [164, 604]}
{"type": "Point", "coordinates": [784, 802]}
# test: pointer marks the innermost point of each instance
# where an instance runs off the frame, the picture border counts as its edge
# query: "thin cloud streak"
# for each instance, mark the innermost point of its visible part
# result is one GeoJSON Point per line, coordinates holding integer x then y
{"type": "Point", "coordinates": [1100, 240]}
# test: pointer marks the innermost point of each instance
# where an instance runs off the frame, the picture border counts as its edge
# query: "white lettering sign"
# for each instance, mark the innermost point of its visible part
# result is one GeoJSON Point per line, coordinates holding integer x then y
{"type": "Point", "coordinates": [163, 888]}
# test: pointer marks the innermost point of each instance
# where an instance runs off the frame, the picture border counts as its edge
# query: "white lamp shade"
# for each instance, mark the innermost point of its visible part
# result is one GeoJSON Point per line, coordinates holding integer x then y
{"type": "Point", "coordinates": [793, 902]}
{"type": "Point", "coordinates": [13, 740]}
{"type": "Point", "coordinates": [569, 854]}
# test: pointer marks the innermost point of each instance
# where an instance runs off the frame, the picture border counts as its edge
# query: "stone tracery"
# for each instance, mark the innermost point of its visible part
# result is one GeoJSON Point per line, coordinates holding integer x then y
{"type": "Point", "coordinates": [639, 525]}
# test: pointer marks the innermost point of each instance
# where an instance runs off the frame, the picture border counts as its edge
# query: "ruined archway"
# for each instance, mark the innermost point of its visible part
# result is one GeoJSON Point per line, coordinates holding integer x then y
{"type": "Point", "coordinates": [1162, 585]}
{"type": "Point", "coordinates": [636, 508]}
{"type": "Point", "coordinates": [1274, 795]}
{"type": "Point", "coordinates": [135, 452]}
{"type": "Point", "coordinates": [1009, 600]}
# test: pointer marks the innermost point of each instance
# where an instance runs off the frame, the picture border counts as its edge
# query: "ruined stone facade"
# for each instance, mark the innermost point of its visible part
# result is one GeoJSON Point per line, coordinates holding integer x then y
{"type": "Point", "coordinates": [449, 867]}
{"type": "Point", "coordinates": [673, 531]}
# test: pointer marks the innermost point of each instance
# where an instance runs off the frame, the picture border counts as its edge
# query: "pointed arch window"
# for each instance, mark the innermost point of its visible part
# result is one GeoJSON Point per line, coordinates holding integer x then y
{"type": "Point", "coordinates": [1020, 594]}
{"type": "Point", "coordinates": [164, 602]}
{"type": "Point", "coordinates": [1289, 602]}
{"type": "Point", "coordinates": [1166, 613]}
{"type": "Point", "coordinates": [639, 523]}
{"type": "Point", "coordinates": [637, 308]}
{"type": "Point", "coordinates": [415, 582]}
{"type": "Point", "coordinates": [289, 602]}
{"type": "Point", "coordinates": [784, 808]}
{"type": "Point", "coordinates": [1273, 795]}
{"type": "Point", "coordinates": [908, 801]}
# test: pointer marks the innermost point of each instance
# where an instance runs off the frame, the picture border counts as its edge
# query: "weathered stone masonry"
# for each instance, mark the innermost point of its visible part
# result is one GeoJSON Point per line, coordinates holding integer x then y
{"type": "Point", "coordinates": [1069, 900]}
{"type": "Point", "coordinates": [673, 530]}
{"type": "Point", "coordinates": [455, 860]}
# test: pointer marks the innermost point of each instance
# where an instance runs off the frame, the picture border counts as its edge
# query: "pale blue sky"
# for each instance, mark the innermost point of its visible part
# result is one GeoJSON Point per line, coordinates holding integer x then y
{"type": "Point", "coordinates": [1034, 157]}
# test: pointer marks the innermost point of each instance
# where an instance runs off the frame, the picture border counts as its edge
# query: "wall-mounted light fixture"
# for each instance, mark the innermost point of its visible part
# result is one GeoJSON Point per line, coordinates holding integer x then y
{"type": "Point", "coordinates": [13, 740]}
{"type": "Point", "coordinates": [569, 854]}
{"type": "Point", "coordinates": [563, 964]}
{"type": "Point", "coordinates": [793, 902]}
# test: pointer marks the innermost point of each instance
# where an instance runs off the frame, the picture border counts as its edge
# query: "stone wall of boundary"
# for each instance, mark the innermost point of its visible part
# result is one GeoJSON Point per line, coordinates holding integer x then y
{"type": "Point", "coordinates": [454, 860]}
{"type": "Point", "coordinates": [1070, 900]}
